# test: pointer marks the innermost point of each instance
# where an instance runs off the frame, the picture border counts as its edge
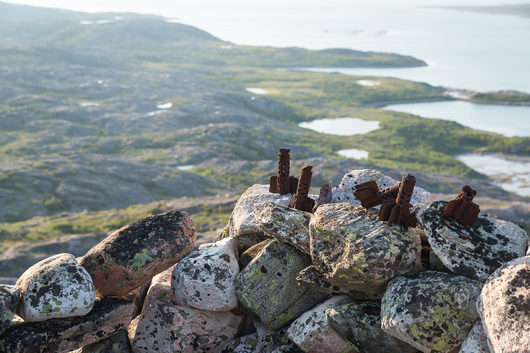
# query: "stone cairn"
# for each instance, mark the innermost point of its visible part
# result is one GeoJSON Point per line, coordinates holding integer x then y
{"type": "Point", "coordinates": [333, 274]}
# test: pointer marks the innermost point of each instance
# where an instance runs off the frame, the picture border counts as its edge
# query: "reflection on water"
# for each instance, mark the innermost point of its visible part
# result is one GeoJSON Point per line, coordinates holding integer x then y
{"type": "Point", "coordinates": [510, 174]}
{"type": "Point", "coordinates": [353, 153]}
{"type": "Point", "coordinates": [342, 126]}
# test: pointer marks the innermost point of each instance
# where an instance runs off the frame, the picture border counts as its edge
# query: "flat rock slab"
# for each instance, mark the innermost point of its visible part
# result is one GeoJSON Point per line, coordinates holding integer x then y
{"type": "Point", "coordinates": [473, 251]}
{"type": "Point", "coordinates": [164, 327]}
{"type": "Point", "coordinates": [205, 279]}
{"type": "Point", "coordinates": [132, 255]}
{"type": "Point", "coordinates": [355, 251]}
{"type": "Point", "coordinates": [504, 307]}
{"type": "Point", "coordinates": [288, 225]}
{"type": "Point", "coordinates": [64, 335]}
{"type": "Point", "coordinates": [344, 191]}
{"type": "Point", "coordinates": [359, 323]}
{"type": "Point", "coordinates": [313, 334]}
{"type": "Point", "coordinates": [56, 287]}
{"type": "Point", "coordinates": [268, 286]}
{"type": "Point", "coordinates": [433, 312]}
{"type": "Point", "coordinates": [476, 341]}
{"type": "Point", "coordinates": [9, 299]}
{"type": "Point", "coordinates": [117, 343]}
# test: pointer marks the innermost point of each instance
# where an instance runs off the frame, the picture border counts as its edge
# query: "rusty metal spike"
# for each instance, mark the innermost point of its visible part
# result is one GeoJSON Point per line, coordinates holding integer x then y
{"type": "Point", "coordinates": [300, 199]}
{"type": "Point", "coordinates": [324, 196]}
{"type": "Point", "coordinates": [282, 183]}
{"type": "Point", "coordinates": [462, 209]}
{"type": "Point", "coordinates": [370, 194]}
{"type": "Point", "coordinates": [398, 211]}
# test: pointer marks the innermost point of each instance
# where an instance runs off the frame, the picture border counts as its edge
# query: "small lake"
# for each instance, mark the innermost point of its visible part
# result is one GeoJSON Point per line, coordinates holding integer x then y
{"type": "Point", "coordinates": [510, 174]}
{"type": "Point", "coordinates": [506, 120]}
{"type": "Point", "coordinates": [256, 90]}
{"type": "Point", "coordinates": [185, 167]}
{"type": "Point", "coordinates": [342, 126]}
{"type": "Point", "coordinates": [353, 153]}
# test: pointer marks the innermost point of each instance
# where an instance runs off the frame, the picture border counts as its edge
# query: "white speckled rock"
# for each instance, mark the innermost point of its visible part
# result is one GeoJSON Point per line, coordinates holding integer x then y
{"type": "Point", "coordinates": [286, 224]}
{"type": "Point", "coordinates": [473, 251]}
{"type": "Point", "coordinates": [312, 333]}
{"type": "Point", "coordinates": [476, 341]}
{"type": "Point", "coordinates": [504, 307]}
{"type": "Point", "coordinates": [56, 287]}
{"type": "Point", "coordinates": [432, 312]}
{"type": "Point", "coordinates": [344, 191]}
{"type": "Point", "coordinates": [205, 279]}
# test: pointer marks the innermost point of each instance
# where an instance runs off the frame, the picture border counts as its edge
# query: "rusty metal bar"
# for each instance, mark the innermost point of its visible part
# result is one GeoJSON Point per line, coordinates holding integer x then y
{"type": "Point", "coordinates": [283, 183]}
{"type": "Point", "coordinates": [370, 194]}
{"type": "Point", "coordinates": [398, 211]}
{"type": "Point", "coordinates": [324, 196]}
{"type": "Point", "coordinates": [300, 199]}
{"type": "Point", "coordinates": [462, 209]}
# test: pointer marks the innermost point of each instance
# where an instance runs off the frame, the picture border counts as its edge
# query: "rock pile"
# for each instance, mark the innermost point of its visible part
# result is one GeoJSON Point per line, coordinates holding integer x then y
{"type": "Point", "coordinates": [282, 280]}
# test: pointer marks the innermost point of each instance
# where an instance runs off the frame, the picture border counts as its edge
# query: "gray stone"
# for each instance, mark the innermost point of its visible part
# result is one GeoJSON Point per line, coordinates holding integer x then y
{"type": "Point", "coordinates": [473, 251]}
{"type": "Point", "coordinates": [268, 287]}
{"type": "Point", "coordinates": [504, 307]}
{"type": "Point", "coordinates": [344, 191]}
{"type": "Point", "coordinates": [9, 299]}
{"type": "Point", "coordinates": [252, 252]}
{"type": "Point", "coordinates": [117, 343]}
{"type": "Point", "coordinates": [288, 225]}
{"type": "Point", "coordinates": [274, 341]}
{"type": "Point", "coordinates": [433, 312]}
{"type": "Point", "coordinates": [360, 324]}
{"type": "Point", "coordinates": [355, 251]}
{"type": "Point", "coordinates": [56, 287]}
{"type": "Point", "coordinates": [64, 335]}
{"type": "Point", "coordinates": [246, 344]}
{"type": "Point", "coordinates": [205, 279]}
{"type": "Point", "coordinates": [312, 332]}
{"type": "Point", "coordinates": [476, 341]}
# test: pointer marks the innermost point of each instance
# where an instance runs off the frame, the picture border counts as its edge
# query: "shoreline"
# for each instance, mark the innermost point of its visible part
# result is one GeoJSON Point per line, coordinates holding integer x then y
{"type": "Point", "coordinates": [382, 104]}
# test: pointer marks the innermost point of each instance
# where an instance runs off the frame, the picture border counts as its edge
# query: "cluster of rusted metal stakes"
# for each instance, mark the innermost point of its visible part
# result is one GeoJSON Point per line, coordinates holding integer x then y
{"type": "Point", "coordinates": [394, 201]}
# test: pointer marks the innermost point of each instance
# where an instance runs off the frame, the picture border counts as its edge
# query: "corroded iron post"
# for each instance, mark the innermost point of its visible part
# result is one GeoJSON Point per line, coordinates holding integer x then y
{"type": "Point", "coordinates": [283, 183]}
{"type": "Point", "coordinates": [300, 200]}
{"type": "Point", "coordinates": [324, 196]}
{"type": "Point", "coordinates": [370, 194]}
{"type": "Point", "coordinates": [397, 212]}
{"type": "Point", "coordinates": [462, 209]}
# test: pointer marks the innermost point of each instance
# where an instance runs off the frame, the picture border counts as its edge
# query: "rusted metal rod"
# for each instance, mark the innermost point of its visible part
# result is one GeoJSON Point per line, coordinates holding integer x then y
{"type": "Point", "coordinates": [300, 199]}
{"type": "Point", "coordinates": [398, 211]}
{"type": "Point", "coordinates": [370, 194]}
{"type": "Point", "coordinates": [462, 209]}
{"type": "Point", "coordinates": [283, 183]}
{"type": "Point", "coordinates": [324, 196]}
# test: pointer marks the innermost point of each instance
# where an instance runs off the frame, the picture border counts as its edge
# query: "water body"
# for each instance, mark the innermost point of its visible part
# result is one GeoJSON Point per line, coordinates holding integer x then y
{"type": "Point", "coordinates": [353, 153]}
{"type": "Point", "coordinates": [256, 90]}
{"type": "Point", "coordinates": [342, 126]}
{"type": "Point", "coordinates": [185, 167]}
{"type": "Point", "coordinates": [501, 119]}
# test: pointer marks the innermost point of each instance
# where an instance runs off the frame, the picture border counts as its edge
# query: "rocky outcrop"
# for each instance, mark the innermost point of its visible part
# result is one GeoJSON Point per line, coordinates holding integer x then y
{"type": "Point", "coordinates": [56, 287]}
{"type": "Point", "coordinates": [433, 311]}
{"type": "Point", "coordinates": [354, 250]}
{"type": "Point", "coordinates": [132, 255]}
{"type": "Point", "coordinates": [9, 298]}
{"type": "Point", "coordinates": [473, 251]}
{"type": "Point", "coordinates": [504, 307]}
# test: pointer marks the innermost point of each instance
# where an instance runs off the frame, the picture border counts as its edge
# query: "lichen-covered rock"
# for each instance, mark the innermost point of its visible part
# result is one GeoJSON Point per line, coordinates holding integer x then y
{"type": "Point", "coordinates": [268, 287]}
{"type": "Point", "coordinates": [275, 341]}
{"type": "Point", "coordinates": [473, 251]}
{"type": "Point", "coordinates": [108, 316]}
{"type": "Point", "coordinates": [504, 307]}
{"type": "Point", "coordinates": [242, 220]}
{"type": "Point", "coordinates": [160, 288]}
{"type": "Point", "coordinates": [132, 255]}
{"type": "Point", "coordinates": [9, 298]}
{"type": "Point", "coordinates": [288, 225]}
{"type": "Point", "coordinates": [205, 279]}
{"type": "Point", "coordinates": [55, 287]}
{"type": "Point", "coordinates": [360, 324]}
{"type": "Point", "coordinates": [165, 327]}
{"type": "Point", "coordinates": [433, 312]}
{"type": "Point", "coordinates": [252, 252]}
{"type": "Point", "coordinates": [476, 341]}
{"type": "Point", "coordinates": [117, 343]}
{"type": "Point", "coordinates": [354, 250]}
{"type": "Point", "coordinates": [246, 344]}
{"type": "Point", "coordinates": [310, 276]}
{"type": "Point", "coordinates": [313, 334]}
{"type": "Point", "coordinates": [344, 191]}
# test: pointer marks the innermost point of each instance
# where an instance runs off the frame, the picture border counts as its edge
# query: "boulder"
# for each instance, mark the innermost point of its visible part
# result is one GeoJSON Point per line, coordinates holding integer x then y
{"type": "Point", "coordinates": [56, 287]}
{"type": "Point", "coordinates": [268, 287]}
{"type": "Point", "coordinates": [504, 307]}
{"type": "Point", "coordinates": [165, 327]}
{"type": "Point", "coordinates": [344, 191]}
{"type": "Point", "coordinates": [108, 316]}
{"type": "Point", "coordinates": [132, 255]}
{"type": "Point", "coordinates": [205, 279]}
{"type": "Point", "coordinates": [274, 341]}
{"type": "Point", "coordinates": [433, 312]}
{"type": "Point", "coordinates": [160, 289]}
{"type": "Point", "coordinates": [313, 334]}
{"type": "Point", "coordinates": [288, 225]}
{"type": "Point", "coordinates": [242, 220]}
{"type": "Point", "coordinates": [117, 343]}
{"type": "Point", "coordinates": [246, 344]}
{"type": "Point", "coordinates": [311, 277]}
{"type": "Point", "coordinates": [251, 253]}
{"type": "Point", "coordinates": [473, 251]}
{"type": "Point", "coordinates": [9, 299]}
{"type": "Point", "coordinates": [359, 323]}
{"type": "Point", "coordinates": [355, 251]}
{"type": "Point", "coordinates": [476, 341]}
